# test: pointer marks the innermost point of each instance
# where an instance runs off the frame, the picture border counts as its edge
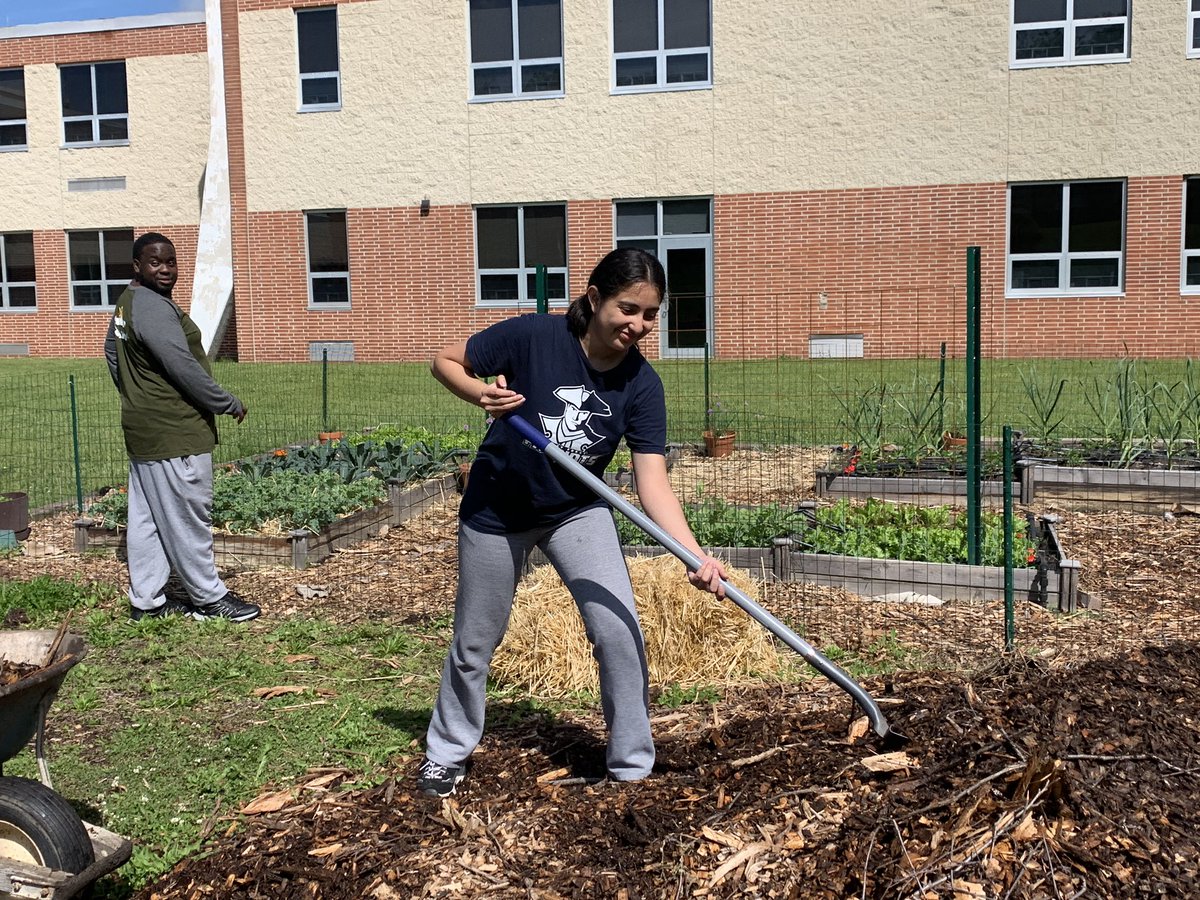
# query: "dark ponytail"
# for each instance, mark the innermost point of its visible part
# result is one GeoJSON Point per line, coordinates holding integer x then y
{"type": "Point", "coordinates": [620, 269]}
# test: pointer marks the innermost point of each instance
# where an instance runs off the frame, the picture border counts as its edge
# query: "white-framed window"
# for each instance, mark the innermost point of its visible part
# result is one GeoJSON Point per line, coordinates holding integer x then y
{"type": "Point", "coordinates": [18, 280]}
{"type": "Point", "coordinates": [1194, 29]}
{"type": "Point", "coordinates": [516, 49]}
{"type": "Point", "coordinates": [317, 53]}
{"type": "Point", "coordinates": [1066, 238]}
{"type": "Point", "coordinates": [95, 104]}
{"type": "Point", "coordinates": [661, 45]}
{"type": "Point", "coordinates": [1069, 32]}
{"type": "Point", "coordinates": [1191, 235]}
{"type": "Point", "coordinates": [328, 252]}
{"type": "Point", "coordinates": [12, 110]}
{"type": "Point", "coordinates": [101, 266]}
{"type": "Point", "coordinates": [510, 243]}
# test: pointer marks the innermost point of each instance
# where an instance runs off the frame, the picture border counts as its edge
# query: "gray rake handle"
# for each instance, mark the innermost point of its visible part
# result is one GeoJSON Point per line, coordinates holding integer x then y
{"type": "Point", "coordinates": [813, 657]}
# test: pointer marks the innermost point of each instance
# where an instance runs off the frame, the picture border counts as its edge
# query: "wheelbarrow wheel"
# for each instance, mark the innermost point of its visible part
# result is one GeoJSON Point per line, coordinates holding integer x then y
{"type": "Point", "coordinates": [38, 827]}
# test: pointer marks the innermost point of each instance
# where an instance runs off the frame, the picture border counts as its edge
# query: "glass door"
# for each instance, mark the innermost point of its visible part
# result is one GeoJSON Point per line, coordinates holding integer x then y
{"type": "Point", "coordinates": [687, 326]}
{"type": "Point", "coordinates": [679, 233]}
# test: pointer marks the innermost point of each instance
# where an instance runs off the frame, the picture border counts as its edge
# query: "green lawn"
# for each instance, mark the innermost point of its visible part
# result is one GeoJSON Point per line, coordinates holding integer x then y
{"type": "Point", "coordinates": [773, 401]}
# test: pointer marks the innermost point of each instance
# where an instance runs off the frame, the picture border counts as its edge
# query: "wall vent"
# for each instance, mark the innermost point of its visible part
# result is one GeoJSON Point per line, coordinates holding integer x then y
{"type": "Point", "coordinates": [835, 346]}
{"type": "Point", "coordinates": [115, 183]}
{"type": "Point", "coordinates": [339, 351]}
{"type": "Point", "coordinates": [14, 349]}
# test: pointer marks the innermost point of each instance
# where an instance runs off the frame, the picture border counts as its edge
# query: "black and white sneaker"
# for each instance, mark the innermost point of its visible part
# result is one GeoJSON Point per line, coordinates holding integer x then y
{"type": "Point", "coordinates": [437, 780]}
{"type": "Point", "coordinates": [171, 608]}
{"type": "Point", "coordinates": [231, 607]}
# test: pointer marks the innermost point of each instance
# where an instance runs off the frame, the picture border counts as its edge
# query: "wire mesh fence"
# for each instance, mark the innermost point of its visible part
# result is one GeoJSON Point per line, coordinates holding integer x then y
{"type": "Point", "coordinates": [846, 488]}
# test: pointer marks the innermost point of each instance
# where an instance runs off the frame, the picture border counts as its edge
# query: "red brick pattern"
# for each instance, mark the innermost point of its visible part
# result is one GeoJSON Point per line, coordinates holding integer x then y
{"type": "Point", "coordinates": [235, 140]}
{"type": "Point", "coordinates": [96, 46]}
{"type": "Point", "coordinates": [257, 5]}
{"type": "Point", "coordinates": [54, 330]}
{"type": "Point", "coordinates": [412, 282]}
{"type": "Point", "coordinates": [890, 262]}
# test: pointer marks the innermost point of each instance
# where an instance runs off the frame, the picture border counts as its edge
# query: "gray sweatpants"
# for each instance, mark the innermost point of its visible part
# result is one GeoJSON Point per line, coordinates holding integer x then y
{"type": "Point", "coordinates": [586, 553]}
{"type": "Point", "coordinates": [170, 526]}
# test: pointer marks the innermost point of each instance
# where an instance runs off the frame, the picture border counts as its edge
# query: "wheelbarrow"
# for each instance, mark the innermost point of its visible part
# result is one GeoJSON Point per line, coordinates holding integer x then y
{"type": "Point", "coordinates": [46, 851]}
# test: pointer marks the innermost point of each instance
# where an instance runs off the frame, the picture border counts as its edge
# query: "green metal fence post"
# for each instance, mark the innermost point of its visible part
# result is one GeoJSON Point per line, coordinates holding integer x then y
{"type": "Point", "coordinates": [1009, 614]}
{"type": "Point", "coordinates": [75, 446]}
{"type": "Point", "coordinates": [974, 520]}
{"type": "Point", "coordinates": [707, 401]}
{"type": "Point", "coordinates": [540, 282]}
{"type": "Point", "coordinates": [325, 390]}
{"type": "Point", "coordinates": [942, 391]}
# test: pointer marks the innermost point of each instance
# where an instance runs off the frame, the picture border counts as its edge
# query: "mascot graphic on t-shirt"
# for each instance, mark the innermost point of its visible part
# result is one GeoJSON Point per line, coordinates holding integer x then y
{"type": "Point", "coordinates": [569, 431]}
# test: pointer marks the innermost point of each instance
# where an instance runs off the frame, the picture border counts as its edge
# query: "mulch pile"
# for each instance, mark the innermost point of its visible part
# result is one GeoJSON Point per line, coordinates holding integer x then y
{"type": "Point", "coordinates": [1073, 775]}
{"type": "Point", "coordinates": [1021, 782]}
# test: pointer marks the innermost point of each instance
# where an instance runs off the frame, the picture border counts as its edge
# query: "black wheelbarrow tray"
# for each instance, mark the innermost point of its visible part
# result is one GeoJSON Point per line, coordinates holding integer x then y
{"type": "Point", "coordinates": [46, 851]}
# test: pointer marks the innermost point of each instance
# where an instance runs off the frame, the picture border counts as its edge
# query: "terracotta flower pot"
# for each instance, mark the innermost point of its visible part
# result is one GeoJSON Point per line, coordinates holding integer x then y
{"type": "Point", "coordinates": [719, 444]}
{"type": "Point", "coordinates": [952, 441]}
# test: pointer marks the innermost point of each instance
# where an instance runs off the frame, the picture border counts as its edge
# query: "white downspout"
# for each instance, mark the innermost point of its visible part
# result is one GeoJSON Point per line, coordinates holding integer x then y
{"type": "Point", "coordinates": [212, 284]}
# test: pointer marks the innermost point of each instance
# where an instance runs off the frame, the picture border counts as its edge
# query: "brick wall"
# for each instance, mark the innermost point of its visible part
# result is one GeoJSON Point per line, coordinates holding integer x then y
{"type": "Point", "coordinates": [257, 5]}
{"type": "Point", "coordinates": [890, 264]}
{"type": "Point", "coordinates": [95, 46]}
{"type": "Point", "coordinates": [412, 282]}
{"type": "Point", "coordinates": [54, 330]}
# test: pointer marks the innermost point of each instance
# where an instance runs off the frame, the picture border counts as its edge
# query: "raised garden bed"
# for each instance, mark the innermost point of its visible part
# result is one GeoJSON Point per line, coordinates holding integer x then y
{"type": "Point", "coordinates": [621, 476]}
{"type": "Point", "coordinates": [1090, 488]}
{"type": "Point", "coordinates": [1138, 488]}
{"type": "Point", "coordinates": [299, 548]}
{"type": "Point", "coordinates": [1051, 579]}
{"type": "Point", "coordinates": [925, 490]}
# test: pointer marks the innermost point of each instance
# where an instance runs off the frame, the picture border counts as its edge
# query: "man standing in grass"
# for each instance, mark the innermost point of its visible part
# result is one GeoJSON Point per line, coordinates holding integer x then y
{"type": "Point", "coordinates": [169, 404]}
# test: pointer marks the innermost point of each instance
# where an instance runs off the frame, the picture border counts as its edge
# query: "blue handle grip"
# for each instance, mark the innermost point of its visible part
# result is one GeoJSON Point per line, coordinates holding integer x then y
{"type": "Point", "coordinates": [527, 431]}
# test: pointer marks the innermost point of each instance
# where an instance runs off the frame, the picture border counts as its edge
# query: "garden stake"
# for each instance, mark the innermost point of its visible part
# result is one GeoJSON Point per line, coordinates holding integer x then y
{"type": "Point", "coordinates": [886, 734]}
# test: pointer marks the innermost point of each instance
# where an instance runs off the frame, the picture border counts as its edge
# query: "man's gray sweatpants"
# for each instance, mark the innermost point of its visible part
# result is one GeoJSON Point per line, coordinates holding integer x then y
{"type": "Point", "coordinates": [170, 526]}
{"type": "Point", "coordinates": [587, 554]}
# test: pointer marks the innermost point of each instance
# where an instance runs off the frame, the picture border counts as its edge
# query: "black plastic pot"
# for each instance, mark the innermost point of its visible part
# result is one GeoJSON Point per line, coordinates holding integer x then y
{"type": "Point", "coordinates": [14, 514]}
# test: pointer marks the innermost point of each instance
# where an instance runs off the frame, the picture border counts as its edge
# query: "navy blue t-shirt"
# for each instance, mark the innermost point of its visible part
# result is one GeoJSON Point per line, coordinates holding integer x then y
{"type": "Point", "coordinates": [514, 487]}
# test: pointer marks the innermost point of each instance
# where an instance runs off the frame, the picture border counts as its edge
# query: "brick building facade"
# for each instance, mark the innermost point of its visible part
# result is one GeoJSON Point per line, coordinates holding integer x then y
{"type": "Point", "coordinates": [810, 176]}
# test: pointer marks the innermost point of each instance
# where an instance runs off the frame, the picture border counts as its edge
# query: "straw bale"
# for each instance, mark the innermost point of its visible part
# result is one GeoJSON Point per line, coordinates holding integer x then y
{"type": "Point", "coordinates": [692, 639]}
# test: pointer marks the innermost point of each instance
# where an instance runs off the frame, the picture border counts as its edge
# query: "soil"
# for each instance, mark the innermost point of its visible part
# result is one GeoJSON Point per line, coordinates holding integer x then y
{"type": "Point", "coordinates": [1068, 770]}
{"type": "Point", "coordinates": [1016, 783]}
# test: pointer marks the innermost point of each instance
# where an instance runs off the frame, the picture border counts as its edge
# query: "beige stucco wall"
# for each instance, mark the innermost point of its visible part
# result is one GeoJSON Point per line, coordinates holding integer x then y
{"type": "Point", "coordinates": [162, 165]}
{"type": "Point", "coordinates": [837, 94]}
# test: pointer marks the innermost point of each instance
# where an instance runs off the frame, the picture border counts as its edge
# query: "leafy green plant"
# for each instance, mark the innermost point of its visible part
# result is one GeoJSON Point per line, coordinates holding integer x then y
{"type": "Point", "coordinates": [465, 438]}
{"type": "Point", "coordinates": [1170, 406]}
{"type": "Point", "coordinates": [923, 409]}
{"type": "Point", "coordinates": [716, 523]}
{"type": "Point", "coordinates": [719, 418]}
{"type": "Point", "coordinates": [622, 461]}
{"type": "Point", "coordinates": [864, 419]}
{"type": "Point", "coordinates": [287, 500]}
{"type": "Point", "coordinates": [935, 534]}
{"type": "Point", "coordinates": [1043, 403]}
{"type": "Point", "coordinates": [402, 459]}
{"type": "Point", "coordinates": [1120, 403]}
{"type": "Point", "coordinates": [675, 695]}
